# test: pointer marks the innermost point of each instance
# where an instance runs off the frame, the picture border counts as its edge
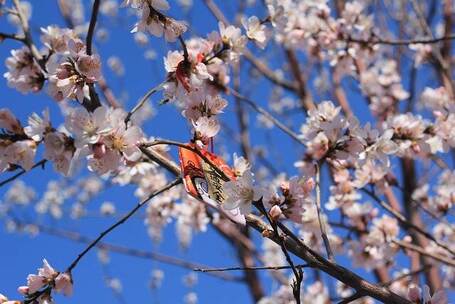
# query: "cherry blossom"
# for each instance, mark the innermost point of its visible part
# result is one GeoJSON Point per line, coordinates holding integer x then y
{"type": "Point", "coordinates": [256, 31]}
{"type": "Point", "coordinates": [416, 295]}
{"type": "Point", "coordinates": [38, 126]}
{"type": "Point", "coordinates": [206, 127]}
{"type": "Point", "coordinates": [241, 193]}
{"type": "Point", "coordinates": [232, 37]}
{"type": "Point", "coordinates": [24, 74]}
{"type": "Point", "coordinates": [4, 300]}
{"type": "Point", "coordinates": [240, 165]}
{"type": "Point", "coordinates": [323, 129]}
{"type": "Point", "coordinates": [47, 276]}
{"type": "Point", "coordinates": [155, 22]}
{"type": "Point", "coordinates": [71, 74]}
{"type": "Point", "coordinates": [56, 39]}
{"type": "Point", "coordinates": [21, 153]}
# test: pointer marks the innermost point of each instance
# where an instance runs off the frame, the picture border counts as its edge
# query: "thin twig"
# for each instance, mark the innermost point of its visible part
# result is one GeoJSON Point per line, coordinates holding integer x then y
{"type": "Point", "coordinates": [144, 99]}
{"type": "Point", "coordinates": [297, 247]}
{"type": "Point", "coordinates": [28, 39]}
{"type": "Point", "coordinates": [359, 295]}
{"type": "Point", "coordinates": [298, 273]}
{"type": "Point", "coordinates": [4, 36]}
{"type": "Point", "coordinates": [422, 251]}
{"type": "Point", "coordinates": [77, 237]}
{"type": "Point", "coordinates": [269, 116]}
{"type": "Point", "coordinates": [91, 27]}
{"type": "Point", "coordinates": [249, 268]}
{"type": "Point", "coordinates": [10, 179]}
{"type": "Point", "coordinates": [322, 223]}
{"type": "Point", "coordinates": [94, 99]}
{"type": "Point", "coordinates": [404, 222]}
{"type": "Point", "coordinates": [257, 63]}
{"type": "Point", "coordinates": [121, 221]}
{"type": "Point", "coordinates": [377, 40]}
{"type": "Point", "coordinates": [303, 92]}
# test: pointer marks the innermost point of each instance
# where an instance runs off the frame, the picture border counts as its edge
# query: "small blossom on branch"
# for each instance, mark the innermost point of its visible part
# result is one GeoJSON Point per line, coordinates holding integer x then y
{"type": "Point", "coordinates": [241, 193]}
{"type": "Point", "coordinates": [154, 21]}
{"type": "Point", "coordinates": [416, 295]}
{"type": "Point", "coordinates": [24, 74]}
{"type": "Point", "coordinates": [39, 286]}
{"type": "Point", "coordinates": [256, 31]}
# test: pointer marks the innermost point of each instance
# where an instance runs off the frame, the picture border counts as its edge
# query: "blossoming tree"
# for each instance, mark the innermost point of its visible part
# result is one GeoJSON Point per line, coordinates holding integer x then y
{"type": "Point", "coordinates": [339, 117]}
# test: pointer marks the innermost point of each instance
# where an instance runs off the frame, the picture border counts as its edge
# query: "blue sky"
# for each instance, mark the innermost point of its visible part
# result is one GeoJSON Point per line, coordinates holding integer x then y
{"type": "Point", "coordinates": [22, 254]}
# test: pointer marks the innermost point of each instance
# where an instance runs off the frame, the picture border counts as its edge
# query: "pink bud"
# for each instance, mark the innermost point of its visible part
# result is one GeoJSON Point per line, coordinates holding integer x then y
{"type": "Point", "coordinates": [23, 290]}
{"type": "Point", "coordinates": [275, 212]}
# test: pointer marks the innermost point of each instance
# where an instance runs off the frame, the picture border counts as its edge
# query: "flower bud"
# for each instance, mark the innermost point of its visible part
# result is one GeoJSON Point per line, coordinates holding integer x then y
{"type": "Point", "coordinates": [22, 290]}
{"type": "Point", "coordinates": [275, 212]}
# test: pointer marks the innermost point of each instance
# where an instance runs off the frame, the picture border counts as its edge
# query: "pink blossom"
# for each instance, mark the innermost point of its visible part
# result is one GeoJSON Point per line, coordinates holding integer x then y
{"type": "Point", "coordinates": [256, 31]}
{"type": "Point", "coordinates": [23, 74]}
{"type": "Point", "coordinates": [38, 126]}
{"type": "Point", "coordinates": [64, 283]}
{"type": "Point", "coordinates": [241, 193]}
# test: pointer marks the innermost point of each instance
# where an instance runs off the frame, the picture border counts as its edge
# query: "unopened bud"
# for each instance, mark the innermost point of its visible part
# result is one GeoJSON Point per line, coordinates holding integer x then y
{"type": "Point", "coordinates": [23, 290]}
{"type": "Point", "coordinates": [275, 212]}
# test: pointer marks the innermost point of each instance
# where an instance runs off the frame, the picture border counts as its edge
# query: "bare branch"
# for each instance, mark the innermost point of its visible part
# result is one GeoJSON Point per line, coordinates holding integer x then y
{"type": "Point", "coordinates": [121, 221]}
{"type": "Point", "coordinates": [94, 99]}
{"type": "Point", "coordinates": [144, 99]}
{"type": "Point", "coordinates": [357, 295]}
{"type": "Point", "coordinates": [269, 116]}
{"type": "Point", "coordinates": [404, 222]}
{"type": "Point", "coordinates": [92, 25]}
{"type": "Point", "coordinates": [317, 261]}
{"type": "Point", "coordinates": [298, 273]}
{"type": "Point", "coordinates": [377, 40]}
{"type": "Point", "coordinates": [4, 36]}
{"type": "Point", "coordinates": [422, 251]}
{"type": "Point", "coordinates": [249, 268]}
{"type": "Point", "coordinates": [10, 179]}
{"type": "Point", "coordinates": [322, 223]}
{"type": "Point", "coordinates": [28, 40]}
{"type": "Point", "coordinates": [162, 258]}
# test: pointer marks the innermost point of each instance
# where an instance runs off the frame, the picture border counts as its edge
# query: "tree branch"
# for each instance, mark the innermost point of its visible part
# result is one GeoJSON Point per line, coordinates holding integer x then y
{"type": "Point", "coordinates": [91, 27]}
{"type": "Point", "coordinates": [121, 221]}
{"type": "Point", "coordinates": [322, 223]}
{"type": "Point", "coordinates": [10, 179]}
{"type": "Point", "coordinates": [249, 268]}
{"type": "Point", "coordinates": [77, 237]}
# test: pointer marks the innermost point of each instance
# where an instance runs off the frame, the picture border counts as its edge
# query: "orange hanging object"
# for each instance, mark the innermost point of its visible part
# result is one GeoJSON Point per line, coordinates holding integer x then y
{"type": "Point", "coordinates": [204, 182]}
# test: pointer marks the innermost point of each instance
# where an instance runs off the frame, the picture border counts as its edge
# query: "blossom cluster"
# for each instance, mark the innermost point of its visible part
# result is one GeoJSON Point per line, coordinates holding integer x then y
{"type": "Point", "coordinates": [68, 68]}
{"type": "Point", "coordinates": [154, 21]}
{"type": "Point", "coordinates": [39, 286]}
{"type": "Point", "coordinates": [197, 74]}
{"type": "Point", "coordinates": [310, 26]}
{"type": "Point", "coordinates": [101, 137]}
